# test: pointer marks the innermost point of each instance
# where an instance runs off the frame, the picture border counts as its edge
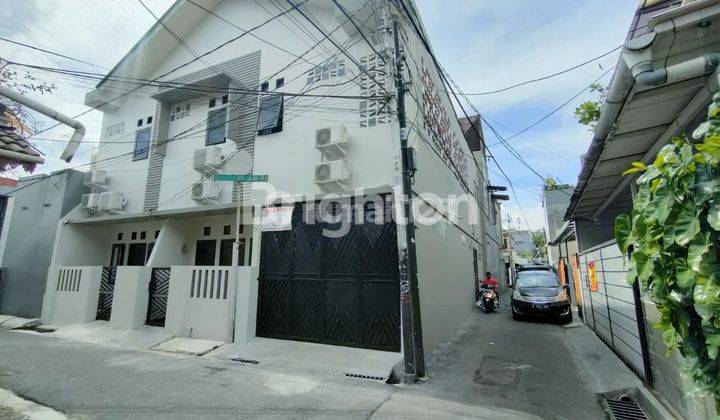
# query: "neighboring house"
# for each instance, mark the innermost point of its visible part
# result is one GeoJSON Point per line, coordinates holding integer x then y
{"type": "Point", "coordinates": [153, 243]}
{"type": "Point", "coordinates": [14, 149]}
{"type": "Point", "coordinates": [27, 235]}
{"type": "Point", "coordinates": [642, 113]}
{"type": "Point", "coordinates": [521, 243]}
{"type": "Point", "coordinates": [555, 203]}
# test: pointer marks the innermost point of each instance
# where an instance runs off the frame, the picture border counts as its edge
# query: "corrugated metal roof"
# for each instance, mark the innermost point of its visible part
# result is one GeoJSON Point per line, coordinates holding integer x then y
{"type": "Point", "coordinates": [11, 141]}
{"type": "Point", "coordinates": [648, 119]}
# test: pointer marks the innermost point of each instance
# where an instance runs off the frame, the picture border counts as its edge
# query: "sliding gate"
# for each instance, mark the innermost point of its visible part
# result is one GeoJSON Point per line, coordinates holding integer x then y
{"type": "Point", "coordinates": [342, 290]}
{"type": "Point", "coordinates": [611, 307]}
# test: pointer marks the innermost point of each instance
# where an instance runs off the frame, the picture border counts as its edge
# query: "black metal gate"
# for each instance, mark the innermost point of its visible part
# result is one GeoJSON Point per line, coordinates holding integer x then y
{"type": "Point", "coordinates": [105, 298]}
{"type": "Point", "coordinates": [157, 301]}
{"type": "Point", "coordinates": [342, 290]}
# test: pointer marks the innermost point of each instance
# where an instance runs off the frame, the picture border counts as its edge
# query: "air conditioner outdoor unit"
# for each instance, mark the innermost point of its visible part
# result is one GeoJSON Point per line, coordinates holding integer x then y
{"type": "Point", "coordinates": [206, 191]}
{"type": "Point", "coordinates": [207, 159]}
{"type": "Point", "coordinates": [90, 201]}
{"type": "Point", "coordinates": [111, 201]}
{"type": "Point", "coordinates": [332, 172]}
{"type": "Point", "coordinates": [96, 178]}
{"type": "Point", "coordinates": [332, 141]}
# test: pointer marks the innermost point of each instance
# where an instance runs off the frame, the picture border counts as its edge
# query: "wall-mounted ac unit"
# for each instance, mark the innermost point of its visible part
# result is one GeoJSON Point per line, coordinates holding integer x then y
{"type": "Point", "coordinates": [90, 201]}
{"type": "Point", "coordinates": [96, 178]}
{"type": "Point", "coordinates": [208, 159]}
{"type": "Point", "coordinates": [111, 201]}
{"type": "Point", "coordinates": [206, 191]}
{"type": "Point", "coordinates": [332, 141]}
{"type": "Point", "coordinates": [332, 172]}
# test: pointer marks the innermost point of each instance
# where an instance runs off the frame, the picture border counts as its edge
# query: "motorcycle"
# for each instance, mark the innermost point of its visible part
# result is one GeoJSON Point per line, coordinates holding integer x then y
{"type": "Point", "coordinates": [488, 297]}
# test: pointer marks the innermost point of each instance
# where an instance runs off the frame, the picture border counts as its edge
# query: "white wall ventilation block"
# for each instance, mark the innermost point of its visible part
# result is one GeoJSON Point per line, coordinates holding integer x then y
{"type": "Point", "coordinates": [207, 159]}
{"type": "Point", "coordinates": [96, 178]}
{"type": "Point", "coordinates": [111, 201]}
{"type": "Point", "coordinates": [90, 201]}
{"type": "Point", "coordinates": [332, 141]}
{"type": "Point", "coordinates": [334, 172]}
{"type": "Point", "coordinates": [206, 192]}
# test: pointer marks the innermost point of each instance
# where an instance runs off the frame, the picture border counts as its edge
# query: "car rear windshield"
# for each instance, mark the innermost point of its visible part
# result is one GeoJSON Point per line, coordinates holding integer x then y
{"type": "Point", "coordinates": [537, 279]}
{"type": "Point", "coordinates": [534, 267]}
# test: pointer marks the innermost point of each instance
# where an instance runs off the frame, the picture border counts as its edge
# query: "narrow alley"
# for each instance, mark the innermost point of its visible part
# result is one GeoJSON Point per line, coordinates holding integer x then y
{"type": "Point", "coordinates": [493, 367]}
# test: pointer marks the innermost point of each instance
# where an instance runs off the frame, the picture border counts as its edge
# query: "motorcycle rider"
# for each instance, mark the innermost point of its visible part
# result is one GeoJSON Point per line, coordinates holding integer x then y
{"type": "Point", "coordinates": [490, 281]}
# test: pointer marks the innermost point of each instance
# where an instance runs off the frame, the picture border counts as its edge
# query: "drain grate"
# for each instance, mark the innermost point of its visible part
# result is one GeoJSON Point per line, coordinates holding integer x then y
{"type": "Point", "coordinates": [370, 377]}
{"type": "Point", "coordinates": [624, 408]}
{"type": "Point", "coordinates": [248, 361]}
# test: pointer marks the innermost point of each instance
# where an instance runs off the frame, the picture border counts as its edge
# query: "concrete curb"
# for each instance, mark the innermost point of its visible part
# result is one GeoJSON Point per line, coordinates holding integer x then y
{"type": "Point", "coordinates": [29, 409]}
{"type": "Point", "coordinates": [9, 322]}
{"type": "Point", "coordinates": [608, 372]}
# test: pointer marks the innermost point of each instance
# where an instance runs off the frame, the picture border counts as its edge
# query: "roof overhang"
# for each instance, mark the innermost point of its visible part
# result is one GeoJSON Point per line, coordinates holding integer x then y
{"type": "Point", "coordinates": [566, 233]}
{"type": "Point", "coordinates": [637, 120]}
{"type": "Point", "coordinates": [162, 214]}
{"type": "Point", "coordinates": [152, 49]}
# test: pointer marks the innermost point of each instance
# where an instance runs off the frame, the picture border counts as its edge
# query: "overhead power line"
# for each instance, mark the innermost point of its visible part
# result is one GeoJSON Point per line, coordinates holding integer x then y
{"type": "Point", "coordinates": [345, 53]}
{"type": "Point", "coordinates": [52, 53]}
{"type": "Point", "coordinates": [549, 76]}
{"type": "Point", "coordinates": [190, 87]}
{"type": "Point", "coordinates": [212, 50]}
{"type": "Point", "coordinates": [559, 107]}
{"type": "Point", "coordinates": [446, 78]}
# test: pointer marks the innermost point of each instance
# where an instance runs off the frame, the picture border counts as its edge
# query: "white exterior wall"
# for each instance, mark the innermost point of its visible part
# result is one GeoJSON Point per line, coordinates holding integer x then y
{"type": "Point", "coordinates": [71, 295]}
{"type": "Point", "coordinates": [445, 250]}
{"type": "Point", "coordinates": [201, 302]}
{"type": "Point", "coordinates": [288, 157]}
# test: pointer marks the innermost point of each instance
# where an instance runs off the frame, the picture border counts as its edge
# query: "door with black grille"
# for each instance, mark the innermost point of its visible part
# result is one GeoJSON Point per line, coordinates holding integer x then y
{"type": "Point", "coordinates": [338, 290]}
{"type": "Point", "coordinates": [157, 301]}
{"type": "Point", "coordinates": [105, 298]}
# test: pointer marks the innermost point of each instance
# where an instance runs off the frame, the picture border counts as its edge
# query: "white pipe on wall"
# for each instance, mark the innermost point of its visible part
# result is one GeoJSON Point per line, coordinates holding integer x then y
{"type": "Point", "coordinates": [78, 134]}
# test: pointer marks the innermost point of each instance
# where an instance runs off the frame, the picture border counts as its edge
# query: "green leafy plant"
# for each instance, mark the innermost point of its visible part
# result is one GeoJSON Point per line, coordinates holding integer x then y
{"type": "Point", "coordinates": [588, 112]}
{"type": "Point", "coordinates": [674, 233]}
{"type": "Point", "coordinates": [552, 184]}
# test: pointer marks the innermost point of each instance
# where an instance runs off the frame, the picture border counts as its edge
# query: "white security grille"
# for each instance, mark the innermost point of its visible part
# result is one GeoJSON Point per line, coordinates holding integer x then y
{"type": "Point", "coordinates": [373, 111]}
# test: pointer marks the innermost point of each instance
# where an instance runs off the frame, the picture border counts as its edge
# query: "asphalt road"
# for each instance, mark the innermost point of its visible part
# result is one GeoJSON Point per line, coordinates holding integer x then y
{"type": "Point", "coordinates": [495, 368]}
{"type": "Point", "coordinates": [521, 365]}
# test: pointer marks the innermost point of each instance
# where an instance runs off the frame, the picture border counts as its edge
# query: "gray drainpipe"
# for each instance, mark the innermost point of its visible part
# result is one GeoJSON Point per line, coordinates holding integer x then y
{"type": "Point", "coordinates": [638, 57]}
{"type": "Point", "coordinates": [622, 82]}
{"type": "Point", "coordinates": [78, 134]}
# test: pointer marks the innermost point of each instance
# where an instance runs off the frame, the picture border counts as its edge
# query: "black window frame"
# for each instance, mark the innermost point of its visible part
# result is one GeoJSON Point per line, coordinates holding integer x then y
{"type": "Point", "coordinates": [211, 115]}
{"type": "Point", "coordinates": [278, 126]}
{"type": "Point", "coordinates": [140, 154]}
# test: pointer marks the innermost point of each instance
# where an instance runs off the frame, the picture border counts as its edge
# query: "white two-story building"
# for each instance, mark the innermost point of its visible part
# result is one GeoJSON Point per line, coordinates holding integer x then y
{"type": "Point", "coordinates": [302, 92]}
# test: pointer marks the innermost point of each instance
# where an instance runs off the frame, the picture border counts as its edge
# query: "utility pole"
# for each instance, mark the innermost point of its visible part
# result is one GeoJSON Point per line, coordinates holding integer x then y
{"type": "Point", "coordinates": [409, 296]}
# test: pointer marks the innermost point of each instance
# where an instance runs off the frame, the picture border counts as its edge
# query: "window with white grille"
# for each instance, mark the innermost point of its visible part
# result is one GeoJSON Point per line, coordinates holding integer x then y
{"type": "Point", "coordinates": [114, 129]}
{"type": "Point", "coordinates": [373, 111]}
{"type": "Point", "coordinates": [178, 112]}
{"type": "Point", "coordinates": [325, 71]}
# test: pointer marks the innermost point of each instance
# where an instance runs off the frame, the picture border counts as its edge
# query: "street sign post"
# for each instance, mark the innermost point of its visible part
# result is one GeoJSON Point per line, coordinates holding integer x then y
{"type": "Point", "coordinates": [241, 178]}
{"type": "Point", "coordinates": [238, 178]}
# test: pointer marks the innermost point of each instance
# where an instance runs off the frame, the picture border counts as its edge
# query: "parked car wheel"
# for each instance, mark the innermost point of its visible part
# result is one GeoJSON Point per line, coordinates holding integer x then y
{"type": "Point", "coordinates": [517, 317]}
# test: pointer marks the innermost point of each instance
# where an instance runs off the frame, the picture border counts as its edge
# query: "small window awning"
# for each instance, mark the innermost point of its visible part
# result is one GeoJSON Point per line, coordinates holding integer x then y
{"type": "Point", "coordinates": [182, 90]}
